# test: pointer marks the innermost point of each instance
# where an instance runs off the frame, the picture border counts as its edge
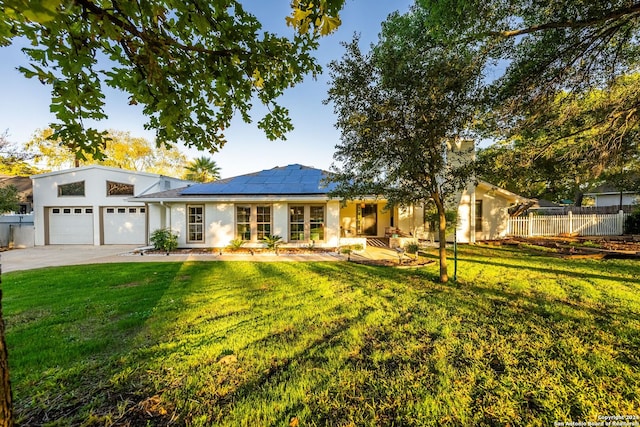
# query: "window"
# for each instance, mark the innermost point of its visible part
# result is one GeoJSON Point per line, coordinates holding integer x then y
{"type": "Point", "coordinates": [88, 210]}
{"type": "Point", "coordinates": [195, 223]}
{"type": "Point", "coordinates": [110, 210]}
{"type": "Point", "coordinates": [263, 221]}
{"type": "Point", "coordinates": [478, 215]}
{"type": "Point", "coordinates": [306, 222]}
{"type": "Point", "coordinates": [122, 210]}
{"type": "Point", "coordinates": [77, 210]}
{"type": "Point", "coordinates": [243, 222]}
{"type": "Point", "coordinates": [119, 189]}
{"type": "Point", "coordinates": [66, 210]}
{"type": "Point", "coordinates": [71, 189]}
{"type": "Point", "coordinates": [253, 222]}
{"type": "Point", "coordinates": [133, 210]}
{"type": "Point", "coordinates": [55, 210]}
{"type": "Point", "coordinates": [142, 210]}
{"type": "Point", "coordinates": [316, 223]}
{"type": "Point", "coordinates": [296, 223]}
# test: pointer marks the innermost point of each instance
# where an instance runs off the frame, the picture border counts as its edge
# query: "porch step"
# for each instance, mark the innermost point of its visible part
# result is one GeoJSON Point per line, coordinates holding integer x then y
{"type": "Point", "coordinates": [378, 242]}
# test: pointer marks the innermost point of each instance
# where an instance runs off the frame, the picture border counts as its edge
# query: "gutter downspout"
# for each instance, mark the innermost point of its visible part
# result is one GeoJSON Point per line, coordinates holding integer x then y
{"type": "Point", "coordinates": [146, 222]}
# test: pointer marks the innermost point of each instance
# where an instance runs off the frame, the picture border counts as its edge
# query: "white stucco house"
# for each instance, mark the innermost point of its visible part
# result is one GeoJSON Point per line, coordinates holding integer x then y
{"type": "Point", "coordinates": [93, 205]}
{"type": "Point", "coordinates": [98, 205]}
{"type": "Point", "coordinates": [293, 202]}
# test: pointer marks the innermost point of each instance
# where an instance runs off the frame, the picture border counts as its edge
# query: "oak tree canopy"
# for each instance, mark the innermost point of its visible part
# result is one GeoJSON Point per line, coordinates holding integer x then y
{"type": "Point", "coordinates": [400, 109]}
{"type": "Point", "coordinates": [561, 89]}
{"type": "Point", "coordinates": [192, 66]}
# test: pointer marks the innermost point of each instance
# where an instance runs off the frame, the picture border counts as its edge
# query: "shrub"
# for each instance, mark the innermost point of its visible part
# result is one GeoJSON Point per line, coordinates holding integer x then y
{"type": "Point", "coordinates": [272, 242]}
{"type": "Point", "coordinates": [350, 248]}
{"type": "Point", "coordinates": [411, 248]}
{"type": "Point", "coordinates": [9, 199]}
{"type": "Point", "coordinates": [236, 244]}
{"type": "Point", "coordinates": [632, 223]}
{"type": "Point", "coordinates": [346, 250]}
{"type": "Point", "coordinates": [164, 239]}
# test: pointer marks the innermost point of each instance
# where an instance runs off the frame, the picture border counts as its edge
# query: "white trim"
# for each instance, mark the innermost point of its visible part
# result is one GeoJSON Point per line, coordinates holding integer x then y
{"type": "Point", "coordinates": [99, 167]}
{"type": "Point", "coordinates": [502, 191]}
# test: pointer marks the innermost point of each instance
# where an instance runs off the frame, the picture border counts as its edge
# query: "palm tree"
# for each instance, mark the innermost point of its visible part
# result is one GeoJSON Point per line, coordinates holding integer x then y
{"type": "Point", "coordinates": [202, 169]}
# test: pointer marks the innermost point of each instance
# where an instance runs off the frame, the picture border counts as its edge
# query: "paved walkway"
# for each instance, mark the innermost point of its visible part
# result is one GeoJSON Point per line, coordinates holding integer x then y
{"type": "Point", "coordinates": [58, 255]}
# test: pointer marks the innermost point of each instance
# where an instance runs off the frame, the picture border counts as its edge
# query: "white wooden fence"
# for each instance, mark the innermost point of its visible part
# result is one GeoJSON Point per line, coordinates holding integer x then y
{"type": "Point", "coordinates": [570, 224]}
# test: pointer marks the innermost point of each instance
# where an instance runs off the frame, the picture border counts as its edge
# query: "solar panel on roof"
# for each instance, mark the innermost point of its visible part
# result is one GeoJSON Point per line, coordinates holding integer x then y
{"type": "Point", "coordinates": [292, 179]}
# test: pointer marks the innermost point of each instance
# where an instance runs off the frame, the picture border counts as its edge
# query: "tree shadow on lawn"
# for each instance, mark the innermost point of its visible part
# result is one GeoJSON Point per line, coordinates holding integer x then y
{"type": "Point", "coordinates": [394, 357]}
{"type": "Point", "coordinates": [271, 354]}
{"type": "Point", "coordinates": [556, 266]}
{"type": "Point", "coordinates": [597, 344]}
{"type": "Point", "coordinates": [604, 316]}
{"type": "Point", "coordinates": [63, 362]}
{"type": "Point", "coordinates": [331, 343]}
{"type": "Point", "coordinates": [93, 386]}
{"type": "Point", "coordinates": [605, 308]}
{"type": "Point", "coordinates": [298, 383]}
{"type": "Point", "coordinates": [321, 374]}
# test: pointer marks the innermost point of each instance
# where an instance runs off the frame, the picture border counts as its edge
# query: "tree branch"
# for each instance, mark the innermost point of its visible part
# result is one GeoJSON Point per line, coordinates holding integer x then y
{"type": "Point", "coordinates": [149, 38]}
{"type": "Point", "coordinates": [613, 15]}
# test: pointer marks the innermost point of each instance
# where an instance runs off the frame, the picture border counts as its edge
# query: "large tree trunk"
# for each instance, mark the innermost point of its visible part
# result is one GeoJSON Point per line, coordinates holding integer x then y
{"type": "Point", "coordinates": [6, 407]}
{"type": "Point", "coordinates": [442, 237]}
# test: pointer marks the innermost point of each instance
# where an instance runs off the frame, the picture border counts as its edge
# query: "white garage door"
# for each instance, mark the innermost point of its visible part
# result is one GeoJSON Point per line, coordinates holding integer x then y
{"type": "Point", "coordinates": [70, 226]}
{"type": "Point", "coordinates": [124, 225]}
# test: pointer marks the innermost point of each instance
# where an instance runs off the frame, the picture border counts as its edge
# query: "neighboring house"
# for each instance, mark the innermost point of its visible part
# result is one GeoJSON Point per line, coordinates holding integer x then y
{"type": "Point", "coordinates": [25, 191]}
{"type": "Point", "coordinates": [93, 205]}
{"type": "Point", "coordinates": [293, 202]}
{"type": "Point", "coordinates": [609, 195]}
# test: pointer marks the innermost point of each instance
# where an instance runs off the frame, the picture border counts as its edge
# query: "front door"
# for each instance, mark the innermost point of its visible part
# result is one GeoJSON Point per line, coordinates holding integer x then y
{"type": "Point", "coordinates": [368, 220]}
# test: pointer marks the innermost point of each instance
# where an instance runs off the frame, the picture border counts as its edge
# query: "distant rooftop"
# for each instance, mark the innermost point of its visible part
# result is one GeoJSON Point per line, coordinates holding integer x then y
{"type": "Point", "coordinates": [285, 180]}
{"type": "Point", "coordinates": [22, 184]}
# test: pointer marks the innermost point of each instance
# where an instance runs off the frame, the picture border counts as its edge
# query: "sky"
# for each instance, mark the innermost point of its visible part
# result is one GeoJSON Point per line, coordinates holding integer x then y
{"type": "Point", "coordinates": [25, 102]}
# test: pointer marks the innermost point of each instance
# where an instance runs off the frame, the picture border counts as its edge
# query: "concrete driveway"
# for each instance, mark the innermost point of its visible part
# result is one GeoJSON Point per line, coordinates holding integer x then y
{"type": "Point", "coordinates": [57, 255]}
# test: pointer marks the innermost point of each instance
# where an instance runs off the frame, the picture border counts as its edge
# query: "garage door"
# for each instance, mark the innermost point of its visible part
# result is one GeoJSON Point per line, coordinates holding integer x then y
{"type": "Point", "coordinates": [124, 225]}
{"type": "Point", "coordinates": [70, 226]}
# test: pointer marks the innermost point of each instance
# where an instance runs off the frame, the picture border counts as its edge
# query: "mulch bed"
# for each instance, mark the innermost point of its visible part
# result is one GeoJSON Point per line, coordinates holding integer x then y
{"type": "Point", "coordinates": [241, 251]}
{"type": "Point", "coordinates": [622, 247]}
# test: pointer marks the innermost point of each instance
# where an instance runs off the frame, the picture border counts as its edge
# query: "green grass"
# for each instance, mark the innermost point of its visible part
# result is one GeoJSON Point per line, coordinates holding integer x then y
{"type": "Point", "coordinates": [522, 339]}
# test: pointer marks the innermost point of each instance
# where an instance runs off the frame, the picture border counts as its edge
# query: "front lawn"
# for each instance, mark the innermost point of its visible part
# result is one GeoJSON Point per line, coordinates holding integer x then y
{"type": "Point", "coordinates": [522, 339]}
